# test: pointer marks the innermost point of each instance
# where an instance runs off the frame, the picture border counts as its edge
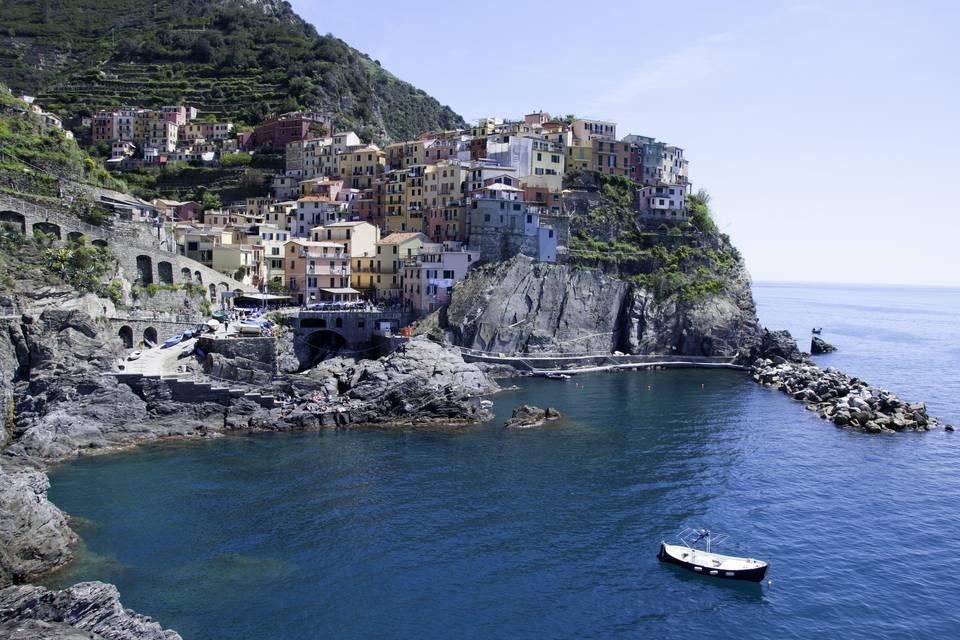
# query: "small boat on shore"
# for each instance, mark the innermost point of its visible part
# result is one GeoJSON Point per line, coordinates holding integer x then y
{"type": "Point", "coordinates": [171, 342]}
{"type": "Point", "coordinates": [705, 562]}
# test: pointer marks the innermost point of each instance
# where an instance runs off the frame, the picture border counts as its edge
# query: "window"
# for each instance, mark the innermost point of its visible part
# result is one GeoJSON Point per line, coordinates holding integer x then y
{"type": "Point", "coordinates": [448, 274]}
{"type": "Point", "coordinates": [529, 219]}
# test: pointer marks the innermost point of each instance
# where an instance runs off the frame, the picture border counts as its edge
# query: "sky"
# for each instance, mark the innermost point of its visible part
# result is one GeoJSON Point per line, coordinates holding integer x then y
{"type": "Point", "coordinates": [827, 133]}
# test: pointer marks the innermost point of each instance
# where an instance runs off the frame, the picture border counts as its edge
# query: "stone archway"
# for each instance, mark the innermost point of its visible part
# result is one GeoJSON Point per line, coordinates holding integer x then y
{"type": "Point", "coordinates": [15, 220]}
{"type": "Point", "coordinates": [48, 228]}
{"type": "Point", "coordinates": [198, 277]}
{"type": "Point", "coordinates": [185, 276]}
{"type": "Point", "coordinates": [126, 337]}
{"type": "Point", "coordinates": [77, 237]}
{"type": "Point", "coordinates": [224, 287]}
{"type": "Point", "coordinates": [320, 345]}
{"type": "Point", "coordinates": [150, 336]}
{"type": "Point", "coordinates": [100, 242]}
{"type": "Point", "coordinates": [213, 293]}
{"type": "Point", "coordinates": [144, 269]}
{"type": "Point", "coordinates": [165, 272]}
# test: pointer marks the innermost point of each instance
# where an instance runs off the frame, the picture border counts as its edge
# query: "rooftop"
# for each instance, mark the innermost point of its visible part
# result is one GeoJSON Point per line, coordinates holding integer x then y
{"type": "Point", "coordinates": [397, 238]}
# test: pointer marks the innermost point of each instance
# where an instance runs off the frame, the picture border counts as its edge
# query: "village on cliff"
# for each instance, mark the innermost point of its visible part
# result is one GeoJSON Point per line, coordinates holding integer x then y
{"type": "Point", "coordinates": [348, 222]}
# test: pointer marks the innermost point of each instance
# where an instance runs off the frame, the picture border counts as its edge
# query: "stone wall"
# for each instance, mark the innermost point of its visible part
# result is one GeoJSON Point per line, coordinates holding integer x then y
{"type": "Point", "coordinates": [262, 350]}
{"type": "Point", "coordinates": [142, 256]}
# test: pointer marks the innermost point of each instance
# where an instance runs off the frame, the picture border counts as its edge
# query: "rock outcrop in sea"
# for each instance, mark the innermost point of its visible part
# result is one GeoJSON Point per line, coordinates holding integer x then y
{"type": "Point", "coordinates": [527, 416]}
{"type": "Point", "coordinates": [528, 307]}
{"type": "Point", "coordinates": [818, 345]}
{"type": "Point", "coordinates": [845, 400]}
{"type": "Point", "coordinates": [85, 610]}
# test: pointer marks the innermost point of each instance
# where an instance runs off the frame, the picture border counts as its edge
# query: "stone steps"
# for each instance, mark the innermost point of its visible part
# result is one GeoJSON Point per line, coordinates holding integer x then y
{"type": "Point", "coordinates": [184, 390]}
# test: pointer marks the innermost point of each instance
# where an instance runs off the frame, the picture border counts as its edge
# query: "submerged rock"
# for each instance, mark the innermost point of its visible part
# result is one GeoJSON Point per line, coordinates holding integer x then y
{"type": "Point", "coordinates": [818, 345]}
{"type": "Point", "coordinates": [526, 416]}
{"type": "Point", "coordinates": [90, 607]}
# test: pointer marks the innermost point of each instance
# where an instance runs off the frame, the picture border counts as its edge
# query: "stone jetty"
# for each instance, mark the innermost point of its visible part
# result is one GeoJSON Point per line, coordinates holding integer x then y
{"type": "Point", "coordinates": [845, 400]}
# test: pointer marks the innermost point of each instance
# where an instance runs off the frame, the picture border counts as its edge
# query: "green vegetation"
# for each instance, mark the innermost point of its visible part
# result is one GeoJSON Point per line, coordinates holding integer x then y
{"type": "Point", "coordinates": [688, 259]}
{"type": "Point", "coordinates": [81, 266]}
{"type": "Point", "coordinates": [231, 60]}
{"type": "Point", "coordinates": [33, 157]}
{"type": "Point", "coordinates": [181, 181]}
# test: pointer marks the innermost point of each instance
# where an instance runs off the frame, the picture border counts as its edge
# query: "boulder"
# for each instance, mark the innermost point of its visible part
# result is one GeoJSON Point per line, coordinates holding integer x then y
{"type": "Point", "coordinates": [526, 416]}
{"type": "Point", "coordinates": [818, 345]}
{"type": "Point", "coordinates": [779, 345]}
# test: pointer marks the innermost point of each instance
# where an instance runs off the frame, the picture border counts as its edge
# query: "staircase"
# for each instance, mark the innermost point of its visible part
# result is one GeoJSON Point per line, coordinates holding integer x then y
{"type": "Point", "coordinates": [185, 390]}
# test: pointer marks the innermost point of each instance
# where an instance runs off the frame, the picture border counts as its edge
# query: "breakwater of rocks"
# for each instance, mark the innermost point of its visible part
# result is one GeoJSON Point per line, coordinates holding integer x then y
{"type": "Point", "coordinates": [845, 400]}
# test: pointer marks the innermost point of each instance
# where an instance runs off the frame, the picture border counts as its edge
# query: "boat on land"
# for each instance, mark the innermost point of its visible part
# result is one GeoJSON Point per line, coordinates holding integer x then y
{"type": "Point", "coordinates": [172, 342]}
{"type": "Point", "coordinates": [695, 553]}
{"type": "Point", "coordinates": [134, 355]}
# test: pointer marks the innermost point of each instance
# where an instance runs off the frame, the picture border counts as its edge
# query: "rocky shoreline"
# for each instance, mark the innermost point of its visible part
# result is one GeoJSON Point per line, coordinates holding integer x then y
{"type": "Point", "coordinates": [62, 404]}
{"type": "Point", "coordinates": [845, 400]}
{"type": "Point", "coordinates": [65, 406]}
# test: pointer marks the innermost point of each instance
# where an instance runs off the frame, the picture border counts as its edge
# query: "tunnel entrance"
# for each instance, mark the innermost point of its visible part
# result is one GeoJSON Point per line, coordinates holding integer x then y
{"type": "Point", "coordinates": [321, 345]}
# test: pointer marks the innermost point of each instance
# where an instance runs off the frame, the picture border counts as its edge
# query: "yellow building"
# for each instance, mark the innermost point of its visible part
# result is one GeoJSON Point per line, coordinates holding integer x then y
{"type": "Point", "coordinates": [445, 182]}
{"type": "Point", "coordinates": [395, 207]}
{"type": "Point", "coordinates": [414, 197]}
{"type": "Point", "coordinates": [402, 155]}
{"type": "Point", "coordinates": [359, 166]}
{"type": "Point", "coordinates": [360, 239]}
{"type": "Point", "coordinates": [388, 262]}
{"type": "Point", "coordinates": [580, 156]}
{"type": "Point", "coordinates": [547, 160]}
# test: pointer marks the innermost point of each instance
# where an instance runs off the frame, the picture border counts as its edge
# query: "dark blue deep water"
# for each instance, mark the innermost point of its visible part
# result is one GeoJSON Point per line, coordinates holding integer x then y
{"type": "Point", "coordinates": [552, 532]}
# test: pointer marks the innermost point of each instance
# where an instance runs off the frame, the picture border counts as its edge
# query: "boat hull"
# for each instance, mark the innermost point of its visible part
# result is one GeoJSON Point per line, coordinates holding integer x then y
{"type": "Point", "coordinates": [756, 574]}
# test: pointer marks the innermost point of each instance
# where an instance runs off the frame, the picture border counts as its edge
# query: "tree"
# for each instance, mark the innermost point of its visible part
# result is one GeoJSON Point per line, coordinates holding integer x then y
{"type": "Point", "coordinates": [276, 288]}
{"type": "Point", "coordinates": [210, 200]}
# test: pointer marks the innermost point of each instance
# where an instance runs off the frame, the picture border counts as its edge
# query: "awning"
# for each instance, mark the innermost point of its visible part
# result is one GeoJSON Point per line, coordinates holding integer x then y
{"type": "Point", "coordinates": [262, 297]}
{"type": "Point", "coordinates": [343, 291]}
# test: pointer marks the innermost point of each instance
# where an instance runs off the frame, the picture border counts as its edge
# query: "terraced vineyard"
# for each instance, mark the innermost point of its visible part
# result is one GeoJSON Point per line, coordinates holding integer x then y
{"type": "Point", "coordinates": [236, 59]}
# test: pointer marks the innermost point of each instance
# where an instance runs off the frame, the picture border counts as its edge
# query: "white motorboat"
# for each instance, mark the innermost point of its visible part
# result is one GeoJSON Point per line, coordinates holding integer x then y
{"type": "Point", "coordinates": [708, 563]}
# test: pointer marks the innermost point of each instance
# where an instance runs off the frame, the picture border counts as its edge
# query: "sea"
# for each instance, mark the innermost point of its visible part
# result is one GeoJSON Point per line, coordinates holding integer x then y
{"type": "Point", "coordinates": [553, 532]}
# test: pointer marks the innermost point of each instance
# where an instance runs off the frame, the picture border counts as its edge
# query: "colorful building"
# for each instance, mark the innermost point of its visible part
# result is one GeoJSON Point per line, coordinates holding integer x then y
{"type": "Point", "coordinates": [391, 252]}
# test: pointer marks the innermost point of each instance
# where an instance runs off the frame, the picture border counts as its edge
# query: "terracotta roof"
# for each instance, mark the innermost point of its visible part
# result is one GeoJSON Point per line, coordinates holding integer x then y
{"type": "Point", "coordinates": [397, 238]}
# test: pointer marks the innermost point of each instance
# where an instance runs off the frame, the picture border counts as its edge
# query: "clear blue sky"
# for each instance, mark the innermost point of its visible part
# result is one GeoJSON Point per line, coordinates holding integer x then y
{"type": "Point", "coordinates": [827, 132]}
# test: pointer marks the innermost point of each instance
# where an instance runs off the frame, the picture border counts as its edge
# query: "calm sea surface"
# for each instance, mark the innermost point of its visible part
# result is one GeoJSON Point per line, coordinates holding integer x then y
{"type": "Point", "coordinates": [552, 532]}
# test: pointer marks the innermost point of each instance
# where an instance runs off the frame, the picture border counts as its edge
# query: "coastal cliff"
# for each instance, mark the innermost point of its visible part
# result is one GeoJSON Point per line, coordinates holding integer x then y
{"type": "Point", "coordinates": [525, 307]}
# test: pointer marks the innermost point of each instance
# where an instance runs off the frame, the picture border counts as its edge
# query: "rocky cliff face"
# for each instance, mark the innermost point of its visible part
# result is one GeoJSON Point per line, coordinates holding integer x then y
{"type": "Point", "coordinates": [521, 306]}
{"type": "Point", "coordinates": [718, 324]}
{"type": "Point", "coordinates": [85, 610]}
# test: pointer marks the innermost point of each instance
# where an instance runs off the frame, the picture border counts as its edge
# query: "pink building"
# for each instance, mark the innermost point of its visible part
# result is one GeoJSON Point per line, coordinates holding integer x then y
{"type": "Point", "coordinates": [430, 275]}
{"type": "Point", "coordinates": [318, 271]}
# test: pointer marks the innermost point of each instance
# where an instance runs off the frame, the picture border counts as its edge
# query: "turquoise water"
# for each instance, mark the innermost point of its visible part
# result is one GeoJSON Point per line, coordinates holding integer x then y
{"type": "Point", "coordinates": [552, 532]}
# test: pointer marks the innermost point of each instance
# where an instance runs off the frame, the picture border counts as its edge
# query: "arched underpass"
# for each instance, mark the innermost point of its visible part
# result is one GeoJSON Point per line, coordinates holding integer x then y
{"type": "Point", "coordinates": [319, 345]}
{"type": "Point", "coordinates": [15, 220]}
{"type": "Point", "coordinates": [144, 270]}
{"type": "Point", "coordinates": [47, 228]}
{"type": "Point", "coordinates": [150, 336]}
{"type": "Point", "coordinates": [126, 337]}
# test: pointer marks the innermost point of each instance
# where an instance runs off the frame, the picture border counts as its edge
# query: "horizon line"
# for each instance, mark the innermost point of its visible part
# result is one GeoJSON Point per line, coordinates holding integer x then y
{"type": "Point", "coordinates": [859, 284]}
